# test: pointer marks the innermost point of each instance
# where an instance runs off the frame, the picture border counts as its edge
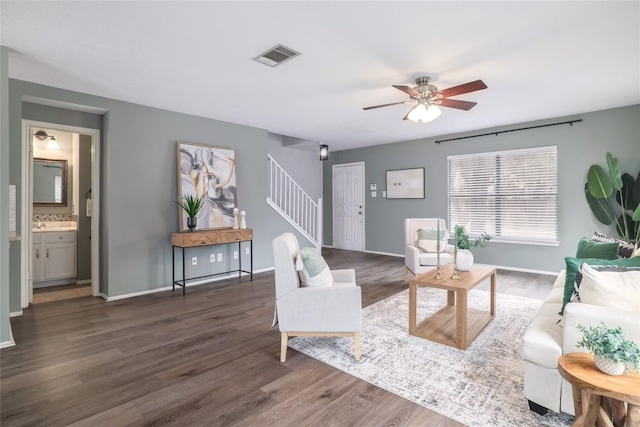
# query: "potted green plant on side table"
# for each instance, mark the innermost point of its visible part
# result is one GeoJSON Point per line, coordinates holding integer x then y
{"type": "Point", "coordinates": [612, 352]}
{"type": "Point", "coordinates": [191, 205]}
{"type": "Point", "coordinates": [464, 258]}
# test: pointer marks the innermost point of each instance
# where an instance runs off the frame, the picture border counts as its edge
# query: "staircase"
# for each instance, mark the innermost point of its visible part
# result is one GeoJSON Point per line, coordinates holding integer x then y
{"type": "Point", "coordinates": [294, 205]}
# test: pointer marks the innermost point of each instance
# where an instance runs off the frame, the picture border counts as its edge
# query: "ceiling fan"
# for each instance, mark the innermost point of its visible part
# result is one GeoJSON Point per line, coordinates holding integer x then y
{"type": "Point", "coordinates": [428, 99]}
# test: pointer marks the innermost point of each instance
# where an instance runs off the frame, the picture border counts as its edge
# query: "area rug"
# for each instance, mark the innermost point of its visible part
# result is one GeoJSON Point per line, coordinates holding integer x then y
{"type": "Point", "coordinates": [482, 386]}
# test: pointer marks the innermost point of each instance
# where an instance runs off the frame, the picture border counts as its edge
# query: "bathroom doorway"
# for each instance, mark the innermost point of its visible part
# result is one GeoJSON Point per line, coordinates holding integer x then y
{"type": "Point", "coordinates": [60, 212]}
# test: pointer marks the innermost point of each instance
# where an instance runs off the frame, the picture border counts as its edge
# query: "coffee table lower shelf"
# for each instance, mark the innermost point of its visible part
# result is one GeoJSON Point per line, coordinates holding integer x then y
{"type": "Point", "coordinates": [440, 327]}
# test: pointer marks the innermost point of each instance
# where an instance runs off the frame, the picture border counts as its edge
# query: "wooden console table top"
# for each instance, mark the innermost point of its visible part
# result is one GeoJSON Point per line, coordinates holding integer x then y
{"type": "Point", "coordinates": [207, 237]}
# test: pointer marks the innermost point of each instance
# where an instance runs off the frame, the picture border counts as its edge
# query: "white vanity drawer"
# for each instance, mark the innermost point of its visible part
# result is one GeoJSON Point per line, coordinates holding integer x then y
{"type": "Point", "coordinates": [59, 236]}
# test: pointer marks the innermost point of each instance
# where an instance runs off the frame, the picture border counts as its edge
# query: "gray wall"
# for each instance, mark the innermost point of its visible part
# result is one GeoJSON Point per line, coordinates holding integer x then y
{"type": "Point", "coordinates": [5, 327]}
{"type": "Point", "coordinates": [84, 222]}
{"type": "Point", "coordinates": [579, 146]}
{"type": "Point", "coordinates": [138, 173]}
{"type": "Point", "coordinates": [302, 165]}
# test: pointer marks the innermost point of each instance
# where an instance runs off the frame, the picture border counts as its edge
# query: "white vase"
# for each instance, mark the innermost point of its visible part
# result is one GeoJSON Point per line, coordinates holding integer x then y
{"type": "Point", "coordinates": [607, 366]}
{"type": "Point", "coordinates": [464, 260]}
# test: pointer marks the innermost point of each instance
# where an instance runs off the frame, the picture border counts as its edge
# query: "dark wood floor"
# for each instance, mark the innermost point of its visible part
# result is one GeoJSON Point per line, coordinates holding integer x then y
{"type": "Point", "coordinates": [207, 358]}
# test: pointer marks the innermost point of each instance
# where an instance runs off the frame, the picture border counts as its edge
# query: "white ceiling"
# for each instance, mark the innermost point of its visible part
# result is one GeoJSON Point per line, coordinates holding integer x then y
{"type": "Point", "coordinates": [539, 60]}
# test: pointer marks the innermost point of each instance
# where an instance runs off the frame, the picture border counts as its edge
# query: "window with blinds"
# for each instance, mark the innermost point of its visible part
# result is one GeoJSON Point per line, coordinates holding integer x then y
{"type": "Point", "coordinates": [511, 195]}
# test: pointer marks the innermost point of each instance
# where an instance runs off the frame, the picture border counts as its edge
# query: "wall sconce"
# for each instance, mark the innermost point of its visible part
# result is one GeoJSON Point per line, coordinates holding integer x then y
{"type": "Point", "coordinates": [42, 135]}
{"type": "Point", "coordinates": [324, 152]}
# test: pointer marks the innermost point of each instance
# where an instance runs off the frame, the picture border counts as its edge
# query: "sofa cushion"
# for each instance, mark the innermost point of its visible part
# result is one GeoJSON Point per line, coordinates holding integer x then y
{"type": "Point", "coordinates": [592, 249]}
{"type": "Point", "coordinates": [625, 249]}
{"type": "Point", "coordinates": [314, 271]}
{"type": "Point", "coordinates": [542, 341]}
{"type": "Point", "coordinates": [611, 286]}
{"type": "Point", "coordinates": [573, 264]}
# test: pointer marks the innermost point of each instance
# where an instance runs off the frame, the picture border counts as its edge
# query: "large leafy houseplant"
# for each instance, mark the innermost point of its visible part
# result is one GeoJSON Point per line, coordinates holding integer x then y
{"type": "Point", "coordinates": [599, 191]}
{"type": "Point", "coordinates": [610, 344]}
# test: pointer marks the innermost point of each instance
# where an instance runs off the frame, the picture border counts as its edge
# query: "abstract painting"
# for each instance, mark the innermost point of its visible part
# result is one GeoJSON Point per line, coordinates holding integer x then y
{"type": "Point", "coordinates": [208, 171]}
{"type": "Point", "coordinates": [405, 184]}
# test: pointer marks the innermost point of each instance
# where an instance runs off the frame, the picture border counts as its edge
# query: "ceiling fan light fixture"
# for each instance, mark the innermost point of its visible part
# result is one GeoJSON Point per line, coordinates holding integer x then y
{"type": "Point", "coordinates": [422, 113]}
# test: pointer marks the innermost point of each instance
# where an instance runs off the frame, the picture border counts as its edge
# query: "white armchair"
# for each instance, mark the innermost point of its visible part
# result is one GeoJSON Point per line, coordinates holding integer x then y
{"type": "Point", "coordinates": [313, 311]}
{"type": "Point", "coordinates": [418, 262]}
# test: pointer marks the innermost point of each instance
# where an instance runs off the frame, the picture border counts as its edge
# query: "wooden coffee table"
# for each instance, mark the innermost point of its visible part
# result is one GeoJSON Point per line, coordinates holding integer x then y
{"type": "Point", "coordinates": [455, 324]}
{"type": "Point", "coordinates": [598, 396]}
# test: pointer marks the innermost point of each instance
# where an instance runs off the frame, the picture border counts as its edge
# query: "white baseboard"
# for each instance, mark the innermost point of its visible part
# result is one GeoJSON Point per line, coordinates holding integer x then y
{"type": "Point", "coordinates": [385, 253]}
{"type": "Point", "coordinates": [9, 343]}
{"type": "Point", "coordinates": [328, 246]}
{"type": "Point", "coordinates": [189, 285]}
{"type": "Point", "coordinates": [83, 282]}
{"type": "Point", "coordinates": [16, 313]}
{"type": "Point", "coordinates": [500, 267]}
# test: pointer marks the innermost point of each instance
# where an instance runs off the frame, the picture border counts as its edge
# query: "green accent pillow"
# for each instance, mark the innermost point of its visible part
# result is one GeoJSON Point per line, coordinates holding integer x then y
{"type": "Point", "coordinates": [430, 233]}
{"type": "Point", "coordinates": [601, 250]}
{"type": "Point", "coordinates": [315, 271]}
{"type": "Point", "coordinates": [573, 265]}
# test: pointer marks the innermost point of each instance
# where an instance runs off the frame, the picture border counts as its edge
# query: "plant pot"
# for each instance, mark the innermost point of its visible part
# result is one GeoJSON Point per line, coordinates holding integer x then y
{"type": "Point", "coordinates": [191, 223]}
{"type": "Point", "coordinates": [607, 366]}
{"type": "Point", "coordinates": [464, 260]}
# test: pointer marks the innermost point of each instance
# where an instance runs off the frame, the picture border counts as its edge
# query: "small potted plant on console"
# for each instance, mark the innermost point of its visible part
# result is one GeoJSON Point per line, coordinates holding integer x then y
{"type": "Point", "coordinates": [191, 205]}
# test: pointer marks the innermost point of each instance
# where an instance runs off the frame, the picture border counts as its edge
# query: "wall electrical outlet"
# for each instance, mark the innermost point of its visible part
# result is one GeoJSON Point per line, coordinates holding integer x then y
{"type": "Point", "coordinates": [219, 257]}
{"type": "Point", "coordinates": [235, 254]}
{"type": "Point", "coordinates": [246, 251]}
{"type": "Point", "coordinates": [194, 260]}
{"type": "Point", "coordinates": [212, 258]}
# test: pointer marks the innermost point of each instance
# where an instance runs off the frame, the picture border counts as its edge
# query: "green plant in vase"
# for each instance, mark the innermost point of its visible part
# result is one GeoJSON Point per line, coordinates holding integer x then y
{"type": "Point", "coordinates": [463, 244]}
{"type": "Point", "coordinates": [191, 205]}
{"type": "Point", "coordinates": [612, 352]}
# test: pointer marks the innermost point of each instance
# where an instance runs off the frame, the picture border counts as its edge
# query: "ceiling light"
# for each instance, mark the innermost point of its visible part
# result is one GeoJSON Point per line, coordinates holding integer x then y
{"type": "Point", "coordinates": [422, 113]}
{"type": "Point", "coordinates": [324, 152]}
{"type": "Point", "coordinates": [53, 144]}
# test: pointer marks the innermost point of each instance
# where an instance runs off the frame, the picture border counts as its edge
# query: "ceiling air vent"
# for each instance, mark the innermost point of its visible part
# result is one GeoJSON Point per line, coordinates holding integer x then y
{"type": "Point", "coordinates": [276, 55]}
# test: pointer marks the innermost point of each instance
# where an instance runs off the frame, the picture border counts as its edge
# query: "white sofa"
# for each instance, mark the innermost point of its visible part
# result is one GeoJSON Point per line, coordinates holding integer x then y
{"type": "Point", "coordinates": [418, 262]}
{"type": "Point", "coordinates": [545, 341]}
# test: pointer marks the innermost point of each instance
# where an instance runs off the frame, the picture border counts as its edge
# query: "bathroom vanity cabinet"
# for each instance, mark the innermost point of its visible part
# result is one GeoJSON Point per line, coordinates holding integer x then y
{"type": "Point", "coordinates": [54, 256]}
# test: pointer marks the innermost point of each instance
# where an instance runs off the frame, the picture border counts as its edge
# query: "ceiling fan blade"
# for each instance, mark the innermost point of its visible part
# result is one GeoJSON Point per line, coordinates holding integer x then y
{"type": "Point", "coordinates": [406, 89]}
{"type": "Point", "coordinates": [454, 103]}
{"type": "Point", "coordinates": [385, 105]}
{"type": "Point", "coordinates": [463, 88]}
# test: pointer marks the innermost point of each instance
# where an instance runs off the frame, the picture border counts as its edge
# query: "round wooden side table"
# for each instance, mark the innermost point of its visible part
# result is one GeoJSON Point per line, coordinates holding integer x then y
{"type": "Point", "coordinates": [598, 396]}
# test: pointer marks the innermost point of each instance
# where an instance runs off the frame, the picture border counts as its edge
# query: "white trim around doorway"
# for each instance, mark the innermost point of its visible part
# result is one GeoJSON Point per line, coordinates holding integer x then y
{"type": "Point", "coordinates": [26, 290]}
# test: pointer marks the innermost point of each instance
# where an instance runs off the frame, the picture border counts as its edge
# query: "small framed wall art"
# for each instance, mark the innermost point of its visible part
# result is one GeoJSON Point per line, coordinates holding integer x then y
{"type": "Point", "coordinates": [405, 183]}
{"type": "Point", "coordinates": [208, 171]}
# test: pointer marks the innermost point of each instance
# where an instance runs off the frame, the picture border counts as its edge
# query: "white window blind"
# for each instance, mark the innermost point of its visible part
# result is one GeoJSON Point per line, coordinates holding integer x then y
{"type": "Point", "coordinates": [511, 195]}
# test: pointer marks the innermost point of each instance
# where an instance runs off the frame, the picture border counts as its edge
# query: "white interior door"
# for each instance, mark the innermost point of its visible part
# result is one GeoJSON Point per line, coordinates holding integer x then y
{"type": "Point", "coordinates": [348, 206]}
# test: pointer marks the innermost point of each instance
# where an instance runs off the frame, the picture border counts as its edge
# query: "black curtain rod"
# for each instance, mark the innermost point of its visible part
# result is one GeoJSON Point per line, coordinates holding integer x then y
{"type": "Point", "coordinates": [569, 122]}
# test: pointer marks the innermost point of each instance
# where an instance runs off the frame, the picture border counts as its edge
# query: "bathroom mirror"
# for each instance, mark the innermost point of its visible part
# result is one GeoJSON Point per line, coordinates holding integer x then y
{"type": "Point", "coordinates": [49, 182]}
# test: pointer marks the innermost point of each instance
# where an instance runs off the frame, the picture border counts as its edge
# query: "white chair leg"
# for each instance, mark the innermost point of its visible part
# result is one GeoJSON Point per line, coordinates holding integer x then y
{"type": "Point", "coordinates": [356, 346]}
{"type": "Point", "coordinates": [283, 346]}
